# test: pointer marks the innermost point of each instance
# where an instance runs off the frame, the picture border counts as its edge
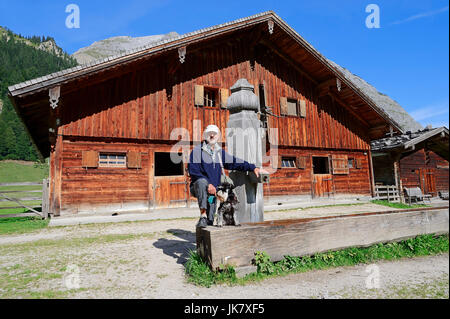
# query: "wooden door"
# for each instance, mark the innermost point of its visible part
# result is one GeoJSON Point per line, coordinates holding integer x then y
{"type": "Point", "coordinates": [321, 176]}
{"type": "Point", "coordinates": [170, 191]}
{"type": "Point", "coordinates": [323, 185]}
{"type": "Point", "coordinates": [169, 181]}
{"type": "Point", "coordinates": [427, 180]}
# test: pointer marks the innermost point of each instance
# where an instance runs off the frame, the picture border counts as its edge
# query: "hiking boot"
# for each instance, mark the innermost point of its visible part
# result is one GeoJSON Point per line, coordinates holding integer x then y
{"type": "Point", "coordinates": [202, 222]}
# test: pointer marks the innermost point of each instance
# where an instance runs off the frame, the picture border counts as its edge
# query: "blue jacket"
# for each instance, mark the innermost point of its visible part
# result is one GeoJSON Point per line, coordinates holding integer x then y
{"type": "Point", "coordinates": [201, 165]}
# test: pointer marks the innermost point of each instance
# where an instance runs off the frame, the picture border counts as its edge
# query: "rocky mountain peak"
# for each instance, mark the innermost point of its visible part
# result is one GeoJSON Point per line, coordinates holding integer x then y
{"type": "Point", "coordinates": [116, 45]}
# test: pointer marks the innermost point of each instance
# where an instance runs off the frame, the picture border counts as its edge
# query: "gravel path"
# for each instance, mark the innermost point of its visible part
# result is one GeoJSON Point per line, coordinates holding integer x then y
{"type": "Point", "coordinates": [145, 260]}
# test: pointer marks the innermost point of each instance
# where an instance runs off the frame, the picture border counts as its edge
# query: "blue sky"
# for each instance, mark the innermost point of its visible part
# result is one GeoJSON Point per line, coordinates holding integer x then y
{"type": "Point", "coordinates": [406, 58]}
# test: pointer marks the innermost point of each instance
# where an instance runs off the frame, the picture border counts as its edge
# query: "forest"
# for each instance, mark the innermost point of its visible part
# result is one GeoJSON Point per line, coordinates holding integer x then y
{"type": "Point", "coordinates": [21, 61]}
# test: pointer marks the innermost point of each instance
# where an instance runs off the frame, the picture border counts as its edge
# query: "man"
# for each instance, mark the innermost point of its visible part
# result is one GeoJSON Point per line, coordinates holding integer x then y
{"type": "Point", "coordinates": [205, 169]}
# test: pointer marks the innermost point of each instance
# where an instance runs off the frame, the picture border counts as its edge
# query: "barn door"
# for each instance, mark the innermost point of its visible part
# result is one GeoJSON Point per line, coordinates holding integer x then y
{"type": "Point", "coordinates": [322, 178]}
{"type": "Point", "coordinates": [427, 181]}
{"type": "Point", "coordinates": [169, 182]}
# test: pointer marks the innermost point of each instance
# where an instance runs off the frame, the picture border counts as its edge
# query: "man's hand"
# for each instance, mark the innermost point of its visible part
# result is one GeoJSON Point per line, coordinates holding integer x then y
{"type": "Point", "coordinates": [211, 189]}
{"type": "Point", "coordinates": [258, 171]}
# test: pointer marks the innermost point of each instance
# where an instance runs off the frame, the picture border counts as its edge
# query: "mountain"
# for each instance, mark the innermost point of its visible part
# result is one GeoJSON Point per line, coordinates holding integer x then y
{"type": "Point", "coordinates": [46, 44]}
{"type": "Point", "coordinates": [116, 45]}
{"type": "Point", "coordinates": [22, 59]}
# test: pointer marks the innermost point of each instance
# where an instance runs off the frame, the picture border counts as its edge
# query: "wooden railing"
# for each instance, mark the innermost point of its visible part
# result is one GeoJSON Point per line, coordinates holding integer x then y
{"type": "Point", "coordinates": [387, 192]}
{"type": "Point", "coordinates": [22, 197]}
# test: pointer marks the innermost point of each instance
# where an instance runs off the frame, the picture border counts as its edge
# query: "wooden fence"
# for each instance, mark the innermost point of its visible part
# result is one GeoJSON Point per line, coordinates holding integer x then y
{"type": "Point", "coordinates": [387, 192]}
{"type": "Point", "coordinates": [19, 195]}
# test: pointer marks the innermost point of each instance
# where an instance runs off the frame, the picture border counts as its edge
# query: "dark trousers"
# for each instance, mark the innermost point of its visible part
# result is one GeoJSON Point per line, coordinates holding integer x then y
{"type": "Point", "coordinates": [199, 189]}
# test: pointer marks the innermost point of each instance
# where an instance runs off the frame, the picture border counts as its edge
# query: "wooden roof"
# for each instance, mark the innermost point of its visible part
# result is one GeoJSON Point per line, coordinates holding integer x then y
{"type": "Point", "coordinates": [284, 41]}
{"type": "Point", "coordinates": [436, 140]}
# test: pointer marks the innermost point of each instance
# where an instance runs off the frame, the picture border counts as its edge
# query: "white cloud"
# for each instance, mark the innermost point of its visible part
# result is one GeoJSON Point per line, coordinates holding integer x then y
{"type": "Point", "coordinates": [421, 15]}
{"type": "Point", "coordinates": [435, 114]}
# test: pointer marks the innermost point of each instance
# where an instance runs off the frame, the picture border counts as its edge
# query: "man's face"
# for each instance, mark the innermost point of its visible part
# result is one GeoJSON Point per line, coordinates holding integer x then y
{"type": "Point", "coordinates": [212, 137]}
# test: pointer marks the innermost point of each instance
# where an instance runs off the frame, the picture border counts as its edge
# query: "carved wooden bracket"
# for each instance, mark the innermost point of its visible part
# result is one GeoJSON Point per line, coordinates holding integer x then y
{"type": "Point", "coordinates": [182, 54]}
{"type": "Point", "coordinates": [338, 85]}
{"type": "Point", "coordinates": [54, 94]}
{"type": "Point", "coordinates": [270, 24]}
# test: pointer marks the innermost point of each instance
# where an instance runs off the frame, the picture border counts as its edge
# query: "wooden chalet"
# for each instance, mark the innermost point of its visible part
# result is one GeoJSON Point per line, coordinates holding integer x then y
{"type": "Point", "coordinates": [414, 159]}
{"type": "Point", "coordinates": [106, 126]}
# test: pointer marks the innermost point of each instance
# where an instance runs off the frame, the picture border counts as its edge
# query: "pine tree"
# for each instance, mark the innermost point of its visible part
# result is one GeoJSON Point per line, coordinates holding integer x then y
{"type": "Point", "coordinates": [20, 62]}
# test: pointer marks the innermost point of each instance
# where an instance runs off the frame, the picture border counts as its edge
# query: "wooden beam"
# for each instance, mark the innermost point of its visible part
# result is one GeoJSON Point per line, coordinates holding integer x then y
{"type": "Point", "coordinates": [236, 246]}
{"type": "Point", "coordinates": [288, 60]}
{"type": "Point", "coordinates": [343, 104]}
{"type": "Point", "coordinates": [325, 85]}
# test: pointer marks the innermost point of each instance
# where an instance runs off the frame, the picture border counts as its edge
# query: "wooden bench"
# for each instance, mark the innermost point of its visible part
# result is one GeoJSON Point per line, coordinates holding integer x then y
{"type": "Point", "coordinates": [415, 194]}
{"type": "Point", "coordinates": [443, 195]}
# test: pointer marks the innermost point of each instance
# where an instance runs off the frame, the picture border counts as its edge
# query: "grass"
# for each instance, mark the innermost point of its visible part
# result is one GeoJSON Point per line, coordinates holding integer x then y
{"type": "Point", "coordinates": [199, 273]}
{"type": "Point", "coordinates": [12, 172]}
{"type": "Point", "coordinates": [16, 172]}
{"type": "Point", "coordinates": [20, 225]}
{"type": "Point", "coordinates": [397, 205]}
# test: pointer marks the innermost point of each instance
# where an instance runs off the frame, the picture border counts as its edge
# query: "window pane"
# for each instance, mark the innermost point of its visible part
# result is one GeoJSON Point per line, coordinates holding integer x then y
{"type": "Point", "coordinates": [292, 107]}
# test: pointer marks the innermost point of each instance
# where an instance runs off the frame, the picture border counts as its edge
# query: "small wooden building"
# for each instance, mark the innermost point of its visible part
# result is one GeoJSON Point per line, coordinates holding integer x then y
{"type": "Point", "coordinates": [107, 125]}
{"type": "Point", "coordinates": [418, 159]}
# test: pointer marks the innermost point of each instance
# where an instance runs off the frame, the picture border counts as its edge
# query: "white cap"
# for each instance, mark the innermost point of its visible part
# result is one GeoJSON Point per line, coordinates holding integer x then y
{"type": "Point", "coordinates": [211, 128]}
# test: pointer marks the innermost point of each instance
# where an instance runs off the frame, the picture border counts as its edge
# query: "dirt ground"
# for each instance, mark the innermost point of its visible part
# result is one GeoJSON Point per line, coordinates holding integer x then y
{"type": "Point", "coordinates": [145, 260]}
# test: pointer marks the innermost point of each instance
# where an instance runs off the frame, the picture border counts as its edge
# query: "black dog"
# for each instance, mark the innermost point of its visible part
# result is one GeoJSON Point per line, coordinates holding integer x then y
{"type": "Point", "coordinates": [227, 213]}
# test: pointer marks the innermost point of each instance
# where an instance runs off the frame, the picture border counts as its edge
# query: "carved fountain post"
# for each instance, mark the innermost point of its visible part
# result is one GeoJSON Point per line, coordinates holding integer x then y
{"type": "Point", "coordinates": [244, 141]}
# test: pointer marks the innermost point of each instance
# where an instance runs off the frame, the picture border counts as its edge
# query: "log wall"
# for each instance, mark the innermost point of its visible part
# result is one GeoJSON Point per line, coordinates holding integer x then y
{"type": "Point", "coordinates": [415, 168]}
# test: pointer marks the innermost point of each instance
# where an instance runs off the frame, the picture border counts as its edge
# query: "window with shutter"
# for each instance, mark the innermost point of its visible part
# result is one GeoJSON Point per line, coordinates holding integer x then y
{"type": "Point", "coordinates": [112, 160]}
{"type": "Point", "coordinates": [292, 107]}
{"type": "Point", "coordinates": [340, 164]}
{"type": "Point", "coordinates": [288, 162]}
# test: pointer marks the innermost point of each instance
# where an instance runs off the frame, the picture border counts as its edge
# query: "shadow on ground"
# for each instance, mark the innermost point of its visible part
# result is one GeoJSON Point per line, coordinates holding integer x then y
{"type": "Point", "coordinates": [177, 248]}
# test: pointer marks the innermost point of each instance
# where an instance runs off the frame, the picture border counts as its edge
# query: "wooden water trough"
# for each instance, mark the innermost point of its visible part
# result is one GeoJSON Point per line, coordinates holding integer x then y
{"type": "Point", "coordinates": [236, 246]}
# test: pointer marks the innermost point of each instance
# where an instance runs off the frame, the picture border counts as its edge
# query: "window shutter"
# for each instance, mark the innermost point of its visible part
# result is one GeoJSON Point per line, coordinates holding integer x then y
{"type": "Point", "coordinates": [280, 161]}
{"type": "Point", "coordinates": [340, 164]}
{"type": "Point", "coordinates": [273, 159]}
{"type": "Point", "coordinates": [283, 105]}
{"type": "Point", "coordinates": [89, 159]}
{"type": "Point", "coordinates": [224, 94]}
{"type": "Point", "coordinates": [198, 95]}
{"type": "Point", "coordinates": [301, 162]}
{"type": "Point", "coordinates": [358, 163]}
{"type": "Point", "coordinates": [133, 159]}
{"type": "Point", "coordinates": [302, 112]}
